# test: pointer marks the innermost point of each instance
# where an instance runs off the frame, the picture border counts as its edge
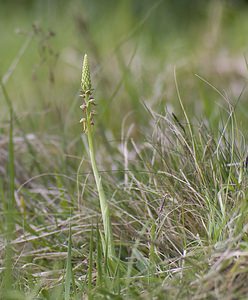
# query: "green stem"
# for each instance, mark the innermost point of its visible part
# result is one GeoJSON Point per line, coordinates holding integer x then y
{"type": "Point", "coordinates": [103, 201]}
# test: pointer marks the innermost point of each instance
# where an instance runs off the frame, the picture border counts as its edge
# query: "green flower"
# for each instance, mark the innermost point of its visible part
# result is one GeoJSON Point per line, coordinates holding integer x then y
{"type": "Point", "coordinates": [86, 80]}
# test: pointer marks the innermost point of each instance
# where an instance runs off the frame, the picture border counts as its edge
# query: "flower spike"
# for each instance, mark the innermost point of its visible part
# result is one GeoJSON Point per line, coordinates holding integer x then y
{"type": "Point", "coordinates": [86, 80]}
{"type": "Point", "coordinates": [86, 94]}
{"type": "Point", "coordinates": [87, 122]}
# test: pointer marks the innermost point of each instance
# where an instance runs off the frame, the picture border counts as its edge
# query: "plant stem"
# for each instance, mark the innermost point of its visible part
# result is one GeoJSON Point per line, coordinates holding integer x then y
{"type": "Point", "coordinates": [103, 201]}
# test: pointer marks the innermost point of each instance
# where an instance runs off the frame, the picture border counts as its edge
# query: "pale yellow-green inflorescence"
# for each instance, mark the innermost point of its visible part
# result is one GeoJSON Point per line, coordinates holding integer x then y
{"type": "Point", "coordinates": [88, 122]}
{"type": "Point", "coordinates": [86, 80]}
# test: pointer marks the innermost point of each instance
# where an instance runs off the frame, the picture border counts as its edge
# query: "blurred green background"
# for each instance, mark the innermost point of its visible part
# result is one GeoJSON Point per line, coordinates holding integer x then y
{"type": "Point", "coordinates": [133, 47]}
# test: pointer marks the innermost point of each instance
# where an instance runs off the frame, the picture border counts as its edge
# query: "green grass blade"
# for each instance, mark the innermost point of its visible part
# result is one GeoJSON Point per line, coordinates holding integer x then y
{"type": "Point", "coordinates": [68, 274]}
{"type": "Point", "coordinates": [10, 212]}
{"type": "Point", "coordinates": [99, 259]}
{"type": "Point", "coordinates": [90, 270]}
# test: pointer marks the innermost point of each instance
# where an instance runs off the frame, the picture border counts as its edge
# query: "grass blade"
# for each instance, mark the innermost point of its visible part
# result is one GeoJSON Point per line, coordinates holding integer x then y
{"type": "Point", "coordinates": [68, 274]}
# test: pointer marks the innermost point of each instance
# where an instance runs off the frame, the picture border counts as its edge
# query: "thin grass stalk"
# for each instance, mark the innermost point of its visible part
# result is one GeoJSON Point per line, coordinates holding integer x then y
{"type": "Point", "coordinates": [68, 274]}
{"type": "Point", "coordinates": [9, 210]}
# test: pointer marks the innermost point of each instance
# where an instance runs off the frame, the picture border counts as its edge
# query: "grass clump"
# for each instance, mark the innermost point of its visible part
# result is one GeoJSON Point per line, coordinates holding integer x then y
{"type": "Point", "coordinates": [179, 216]}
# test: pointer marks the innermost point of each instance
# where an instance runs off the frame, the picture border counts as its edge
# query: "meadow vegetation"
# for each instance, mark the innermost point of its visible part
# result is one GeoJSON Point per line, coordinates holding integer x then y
{"type": "Point", "coordinates": [169, 82]}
